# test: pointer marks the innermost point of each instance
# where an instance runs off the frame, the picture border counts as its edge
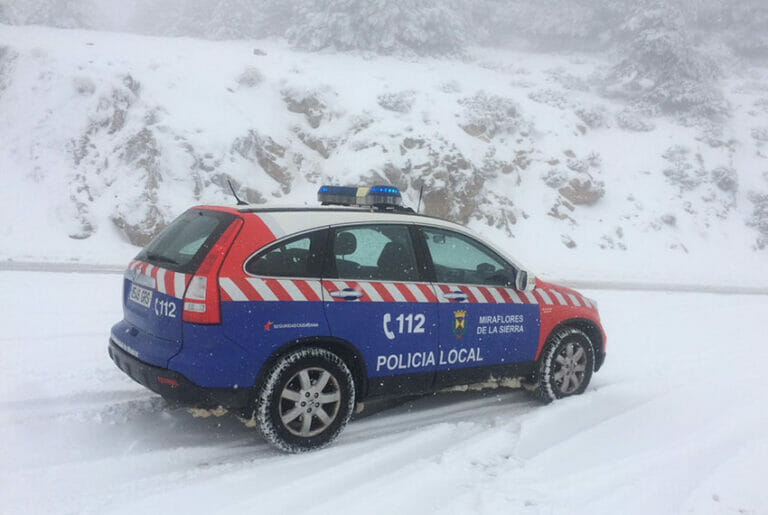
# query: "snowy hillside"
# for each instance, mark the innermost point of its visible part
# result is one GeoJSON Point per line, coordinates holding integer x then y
{"type": "Point", "coordinates": [105, 137]}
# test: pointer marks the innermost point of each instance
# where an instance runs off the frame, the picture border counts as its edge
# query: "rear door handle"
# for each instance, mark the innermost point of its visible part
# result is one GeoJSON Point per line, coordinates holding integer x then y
{"type": "Point", "coordinates": [458, 296]}
{"type": "Point", "coordinates": [347, 294]}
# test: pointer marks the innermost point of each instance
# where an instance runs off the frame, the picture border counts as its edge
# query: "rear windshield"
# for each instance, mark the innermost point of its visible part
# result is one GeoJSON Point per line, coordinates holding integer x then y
{"type": "Point", "coordinates": [183, 244]}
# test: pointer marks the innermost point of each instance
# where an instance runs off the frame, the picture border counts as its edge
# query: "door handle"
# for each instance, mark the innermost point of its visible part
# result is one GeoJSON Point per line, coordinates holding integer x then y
{"type": "Point", "coordinates": [458, 296]}
{"type": "Point", "coordinates": [347, 294]}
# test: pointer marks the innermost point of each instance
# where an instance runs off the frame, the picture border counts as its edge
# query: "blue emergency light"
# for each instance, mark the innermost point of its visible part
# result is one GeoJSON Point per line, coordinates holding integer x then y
{"type": "Point", "coordinates": [354, 196]}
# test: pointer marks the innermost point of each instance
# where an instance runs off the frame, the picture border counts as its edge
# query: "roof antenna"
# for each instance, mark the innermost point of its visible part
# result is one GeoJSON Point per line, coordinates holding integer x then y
{"type": "Point", "coordinates": [239, 202]}
{"type": "Point", "coordinates": [421, 190]}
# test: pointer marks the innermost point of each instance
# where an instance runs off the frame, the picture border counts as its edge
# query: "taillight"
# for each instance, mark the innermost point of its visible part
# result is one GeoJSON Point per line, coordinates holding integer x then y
{"type": "Point", "coordinates": [201, 300]}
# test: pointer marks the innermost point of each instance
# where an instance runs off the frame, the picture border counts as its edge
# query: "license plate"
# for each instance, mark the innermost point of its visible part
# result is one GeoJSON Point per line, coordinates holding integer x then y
{"type": "Point", "coordinates": [140, 295]}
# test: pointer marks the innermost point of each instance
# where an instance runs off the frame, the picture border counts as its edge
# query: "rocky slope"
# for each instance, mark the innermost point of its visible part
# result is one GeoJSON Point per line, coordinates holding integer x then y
{"type": "Point", "coordinates": [106, 137]}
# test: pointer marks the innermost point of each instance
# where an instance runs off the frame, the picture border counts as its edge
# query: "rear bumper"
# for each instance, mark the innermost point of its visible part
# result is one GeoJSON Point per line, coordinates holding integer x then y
{"type": "Point", "coordinates": [174, 386]}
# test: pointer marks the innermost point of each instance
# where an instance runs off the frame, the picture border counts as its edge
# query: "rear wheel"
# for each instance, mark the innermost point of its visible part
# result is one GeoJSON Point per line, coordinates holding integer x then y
{"type": "Point", "coordinates": [306, 400]}
{"type": "Point", "coordinates": [565, 366]}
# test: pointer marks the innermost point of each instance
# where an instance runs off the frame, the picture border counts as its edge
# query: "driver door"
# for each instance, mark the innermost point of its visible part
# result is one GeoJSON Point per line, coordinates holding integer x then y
{"type": "Point", "coordinates": [486, 326]}
{"type": "Point", "coordinates": [376, 297]}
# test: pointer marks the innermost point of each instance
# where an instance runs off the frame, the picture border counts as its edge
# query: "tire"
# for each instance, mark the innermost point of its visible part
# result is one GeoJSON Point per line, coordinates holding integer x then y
{"type": "Point", "coordinates": [293, 411]}
{"type": "Point", "coordinates": [565, 366]}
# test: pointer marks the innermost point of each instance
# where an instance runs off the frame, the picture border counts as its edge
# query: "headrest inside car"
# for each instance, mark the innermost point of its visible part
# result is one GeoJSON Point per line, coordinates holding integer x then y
{"type": "Point", "coordinates": [346, 244]}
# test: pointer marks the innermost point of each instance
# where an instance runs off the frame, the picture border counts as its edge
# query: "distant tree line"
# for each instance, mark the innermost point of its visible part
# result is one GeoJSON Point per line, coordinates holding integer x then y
{"type": "Point", "coordinates": [666, 53]}
{"type": "Point", "coordinates": [420, 27]}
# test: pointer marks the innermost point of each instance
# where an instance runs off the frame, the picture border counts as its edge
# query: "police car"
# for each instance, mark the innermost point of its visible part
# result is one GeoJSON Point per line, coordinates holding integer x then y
{"type": "Point", "coordinates": [295, 316]}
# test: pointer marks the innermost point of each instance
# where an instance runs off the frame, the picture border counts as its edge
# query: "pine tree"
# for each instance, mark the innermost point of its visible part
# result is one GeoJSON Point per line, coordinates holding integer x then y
{"type": "Point", "coordinates": [426, 27]}
{"type": "Point", "coordinates": [54, 13]}
{"type": "Point", "coordinates": [661, 66]}
{"type": "Point", "coordinates": [553, 24]}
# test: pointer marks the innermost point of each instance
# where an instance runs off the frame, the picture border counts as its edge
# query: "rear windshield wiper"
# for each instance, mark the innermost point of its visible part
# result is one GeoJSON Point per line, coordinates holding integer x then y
{"type": "Point", "coordinates": [163, 259]}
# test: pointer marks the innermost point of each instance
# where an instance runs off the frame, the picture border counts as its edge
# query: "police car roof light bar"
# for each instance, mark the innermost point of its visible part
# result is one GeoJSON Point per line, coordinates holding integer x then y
{"type": "Point", "coordinates": [376, 196]}
{"type": "Point", "coordinates": [337, 195]}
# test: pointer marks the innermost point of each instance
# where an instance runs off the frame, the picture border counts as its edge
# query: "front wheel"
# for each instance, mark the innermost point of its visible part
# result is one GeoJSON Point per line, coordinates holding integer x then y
{"type": "Point", "coordinates": [306, 400]}
{"type": "Point", "coordinates": [565, 366]}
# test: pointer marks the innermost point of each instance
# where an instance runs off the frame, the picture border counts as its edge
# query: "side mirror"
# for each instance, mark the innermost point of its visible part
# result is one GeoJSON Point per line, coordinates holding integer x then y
{"type": "Point", "coordinates": [524, 282]}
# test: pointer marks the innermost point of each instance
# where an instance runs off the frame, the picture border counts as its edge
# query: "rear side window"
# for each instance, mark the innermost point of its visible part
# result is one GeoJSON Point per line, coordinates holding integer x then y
{"type": "Point", "coordinates": [374, 253]}
{"type": "Point", "coordinates": [183, 244]}
{"type": "Point", "coordinates": [298, 257]}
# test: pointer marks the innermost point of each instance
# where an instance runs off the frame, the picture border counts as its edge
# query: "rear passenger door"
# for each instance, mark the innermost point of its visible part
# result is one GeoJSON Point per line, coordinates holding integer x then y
{"type": "Point", "coordinates": [486, 326]}
{"type": "Point", "coordinates": [376, 297]}
{"type": "Point", "coordinates": [275, 297]}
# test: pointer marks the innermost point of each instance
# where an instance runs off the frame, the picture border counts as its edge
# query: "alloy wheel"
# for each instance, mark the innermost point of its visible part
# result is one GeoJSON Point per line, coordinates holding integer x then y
{"type": "Point", "coordinates": [309, 401]}
{"type": "Point", "coordinates": [570, 365]}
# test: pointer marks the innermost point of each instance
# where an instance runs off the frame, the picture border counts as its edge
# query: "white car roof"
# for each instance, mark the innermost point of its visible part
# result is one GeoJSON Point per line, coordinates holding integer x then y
{"type": "Point", "coordinates": [287, 221]}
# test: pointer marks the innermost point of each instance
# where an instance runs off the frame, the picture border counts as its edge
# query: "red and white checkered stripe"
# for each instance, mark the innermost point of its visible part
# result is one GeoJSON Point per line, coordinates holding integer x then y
{"type": "Point", "coordinates": [273, 289]}
{"type": "Point", "coordinates": [499, 295]}
{"type": "Point", "coordinates": [263, 288]}
{"type": "Point", "coordinates": [486, 294]}
{"type": "Point", "coordinates": [380, 291]}
{"type": "Point", "coordinates": [554, 297]}
{"type": "Point", "coordinates": [166, 281]}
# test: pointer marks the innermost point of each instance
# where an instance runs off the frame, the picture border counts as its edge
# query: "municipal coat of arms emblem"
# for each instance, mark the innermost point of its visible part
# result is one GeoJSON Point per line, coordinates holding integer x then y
{"type": "Point", "coordinates": [459, 323]}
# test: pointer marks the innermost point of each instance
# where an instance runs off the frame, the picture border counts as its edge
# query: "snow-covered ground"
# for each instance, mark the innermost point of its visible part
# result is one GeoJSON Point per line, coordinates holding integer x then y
{"type": "Point", "coordinates": [674, 423]}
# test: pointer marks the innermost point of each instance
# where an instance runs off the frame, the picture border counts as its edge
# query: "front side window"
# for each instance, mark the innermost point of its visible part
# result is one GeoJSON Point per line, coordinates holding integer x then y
{"type": "Point", "coordinates": [299, 257]}
{"type": "Point", "coordinates": [374, 253]}
{"type": "Point", "coordinates": [460, 259]}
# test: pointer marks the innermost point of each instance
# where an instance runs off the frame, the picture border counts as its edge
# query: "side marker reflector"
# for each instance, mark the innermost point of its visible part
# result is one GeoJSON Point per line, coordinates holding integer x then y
{"type": "Point", "coordinates": [167, 380]}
